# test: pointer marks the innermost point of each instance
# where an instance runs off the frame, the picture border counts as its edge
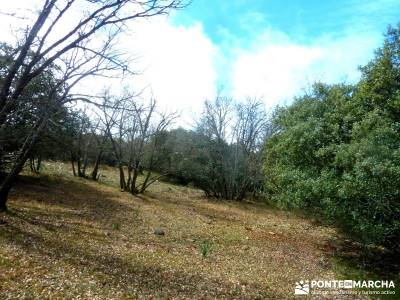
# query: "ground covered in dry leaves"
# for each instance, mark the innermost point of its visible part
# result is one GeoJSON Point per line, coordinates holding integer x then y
{"type": "Point", "coordinates": [70, 238]}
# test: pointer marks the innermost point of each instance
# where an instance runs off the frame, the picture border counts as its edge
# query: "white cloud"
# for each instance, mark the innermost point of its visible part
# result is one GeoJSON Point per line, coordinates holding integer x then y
{"type": "Point", "coordinates": [275, 68]}
{"type": "Point", "coordinates": [176, 65]}
{"type": "Point", "coordinates": [177, 62]}
{"type": "Point", "coordinates": [273, 73]}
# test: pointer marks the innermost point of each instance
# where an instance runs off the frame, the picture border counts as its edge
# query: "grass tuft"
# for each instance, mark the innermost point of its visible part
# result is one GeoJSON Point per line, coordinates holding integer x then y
{"type": "Point", "coordinates": [205, 248]}
{"type": "Point", "coordinates": [116, 226]}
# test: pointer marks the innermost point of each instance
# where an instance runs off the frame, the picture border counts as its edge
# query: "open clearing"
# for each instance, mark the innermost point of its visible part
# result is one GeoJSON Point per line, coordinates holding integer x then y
{"type": "Point", "coordinates": [70, 238]}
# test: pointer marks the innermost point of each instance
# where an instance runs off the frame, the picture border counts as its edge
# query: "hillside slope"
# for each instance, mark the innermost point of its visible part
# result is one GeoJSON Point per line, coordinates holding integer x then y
{"type": "Point", "coordinates": [72, 238]}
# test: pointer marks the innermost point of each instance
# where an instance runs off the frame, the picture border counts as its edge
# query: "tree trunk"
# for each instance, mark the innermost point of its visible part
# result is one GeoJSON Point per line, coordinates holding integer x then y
{"type": "Point", "coordinates": [39, 163]}
{"type": "Point", "coordinates": [96, 166]}
{"type": "Point", "coordinates": [85, 164]}
{"type": "Point", "coordinates": [128, 183]}
{"type": "Point", "coordinates": [23, 156]}
{"type": "Point", "coordinates": [73, 165]}
{"type": "Point", "coordinates": [144, 184]}
{"type": "Point", "coordinates": [133, 188]}
{"type": "Point", "coordinates": [9, 180]}
{"type": "Point", "coordinates": [122, 183]}
{"type": "Point", "coordinates": [32, 164]}
{"type": "Point", "coordinates": [78, 162]}
{"type": "Point", "coordinates": [3, 199]}
{"type": "Point", "coordinates": [35, 164]}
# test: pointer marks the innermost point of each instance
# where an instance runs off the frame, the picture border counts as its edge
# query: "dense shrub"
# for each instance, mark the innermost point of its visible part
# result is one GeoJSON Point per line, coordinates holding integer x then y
{"type": "Point", "coordinates": [336, 151]}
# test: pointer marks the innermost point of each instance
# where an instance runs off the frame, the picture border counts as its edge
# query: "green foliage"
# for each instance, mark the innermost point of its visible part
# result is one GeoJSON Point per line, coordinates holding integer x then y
{"type": "Point", "coordinates": [39, 100]}
{"type": "Point", "coordinates": [116, 226]}
{"type": "Point", "coordinates": [205, 248]}
{"type": "Point", "coordinates": [336, 151]}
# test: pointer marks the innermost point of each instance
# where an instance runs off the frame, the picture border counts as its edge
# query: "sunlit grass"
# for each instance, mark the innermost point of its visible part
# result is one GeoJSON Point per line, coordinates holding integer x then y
{"type": "Point", "coordinates": [69, 237]}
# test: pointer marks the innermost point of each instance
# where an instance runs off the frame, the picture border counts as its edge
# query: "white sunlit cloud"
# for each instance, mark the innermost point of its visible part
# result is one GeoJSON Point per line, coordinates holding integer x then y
{"type": "Point", "coordinates": [276, 69]}
{"type": "Point", "coordinates": [177, 63]}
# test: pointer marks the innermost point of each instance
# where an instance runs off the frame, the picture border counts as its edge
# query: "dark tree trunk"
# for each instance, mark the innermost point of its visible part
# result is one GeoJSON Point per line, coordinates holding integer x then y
{"type": "Point", "coordinates": [35, 164]}
{"type": "Point", "coordinates": [3, 199]}
{"type": "Point", "coordinates": [141, 170]}
{"type": "Point", "coordinates": [122, 183]}
{"type": "Point", "coordinates": [243, 190]}
{"type": "Point", "coordinates": [145, 182]}
{"type": "Point", "coordinates": [96, 166]}
{"type": "Point", "coordinates": [32, 164]}
{"type": "Point", "coordinates": [128, 183]}
{"type": "Point", "coordinates": [20, 161]}
{"type": "Point", "coordinates": [81, 168]}
{"type": "Point", "coordinates": [136, 171]}
{"type": "Point", "coordinates": [73, 166]}
{"type": "Point", "coordinates": [85, 164]}
{"type": "Point", "coordinates": [78, 162]}
{"type": "Point", "coordinates": [39, 163]}
{"type": "Point", "coordinates": [9, 180]}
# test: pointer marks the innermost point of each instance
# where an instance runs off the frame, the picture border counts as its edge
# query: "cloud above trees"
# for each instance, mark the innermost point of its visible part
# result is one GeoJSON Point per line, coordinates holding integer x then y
{"type": "Point", "coordinates": [181, 66]}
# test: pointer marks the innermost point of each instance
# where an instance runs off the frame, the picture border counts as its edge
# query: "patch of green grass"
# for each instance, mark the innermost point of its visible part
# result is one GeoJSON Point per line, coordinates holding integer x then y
{"type": "Point", "coordinates": [232, 238]}
{"type": "Point", "coordinates": [346, 270]}
{"type": "Point", "coordinates": [349, 270]}
{"type": "Point", "coordinates": [116, 226]}
{"type": "Point", "coordinates": [205, 248]}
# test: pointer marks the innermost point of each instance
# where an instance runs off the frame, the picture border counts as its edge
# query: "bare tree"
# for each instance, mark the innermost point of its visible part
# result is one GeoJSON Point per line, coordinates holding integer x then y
{"type": "Point", "coordinates": [80, 144]}
{"type": "Point", "coordinates": [249, 132]}
{"type": "Point", "coordinates": [143, 142]}
{"type": "Point", "coordinates": [236, 133]}
{"type": "Point", "coordinates": [133, 130]}
{"type": "Point", "coordinates": [217, 117]}
{"type": "Point", "coordinates": [99, 137]}
{"type": "Point", "coordinates": [112, 115]}
{"type": "Point", "coordinates": [216, 123]}
{"type": "Point", "coordinates": [86, 48]}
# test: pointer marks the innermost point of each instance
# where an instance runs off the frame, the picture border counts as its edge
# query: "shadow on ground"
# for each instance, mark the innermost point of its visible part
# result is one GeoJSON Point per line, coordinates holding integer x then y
{"type": "Point", "coordinates": [75, 197]}
{"type": "Point", "coordinates": [50, 219]}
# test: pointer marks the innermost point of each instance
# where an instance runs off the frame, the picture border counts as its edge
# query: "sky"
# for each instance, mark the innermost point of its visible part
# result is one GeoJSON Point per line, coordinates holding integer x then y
{"type": "Point", "coordinates": [268, 49]}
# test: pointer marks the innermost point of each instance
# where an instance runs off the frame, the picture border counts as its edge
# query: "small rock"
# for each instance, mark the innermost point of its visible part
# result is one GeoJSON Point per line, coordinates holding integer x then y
{"type": "Point", "coordinates": [159, 231]}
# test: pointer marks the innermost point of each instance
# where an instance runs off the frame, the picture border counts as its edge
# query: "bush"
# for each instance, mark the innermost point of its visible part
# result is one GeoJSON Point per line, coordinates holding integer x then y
{"type": "Point", "coordinates": [337, 151]}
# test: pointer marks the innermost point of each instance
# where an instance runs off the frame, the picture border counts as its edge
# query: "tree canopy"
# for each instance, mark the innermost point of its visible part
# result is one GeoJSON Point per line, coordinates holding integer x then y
{"type": "Point", "coordinates": [336, 150]}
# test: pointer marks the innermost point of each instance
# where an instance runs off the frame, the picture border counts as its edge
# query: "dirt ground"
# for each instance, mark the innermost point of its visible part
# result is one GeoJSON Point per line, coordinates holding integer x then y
{"type": "Point", "coordinates": [71, 238]}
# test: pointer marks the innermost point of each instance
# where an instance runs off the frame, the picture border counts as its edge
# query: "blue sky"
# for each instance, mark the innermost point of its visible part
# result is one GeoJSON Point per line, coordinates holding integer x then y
{"type": "Point", "coordinates": [302, 20]}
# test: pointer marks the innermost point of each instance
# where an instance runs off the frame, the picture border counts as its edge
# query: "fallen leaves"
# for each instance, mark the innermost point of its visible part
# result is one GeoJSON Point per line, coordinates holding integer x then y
{"type": "Point", "coordinates": [87, 240]}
